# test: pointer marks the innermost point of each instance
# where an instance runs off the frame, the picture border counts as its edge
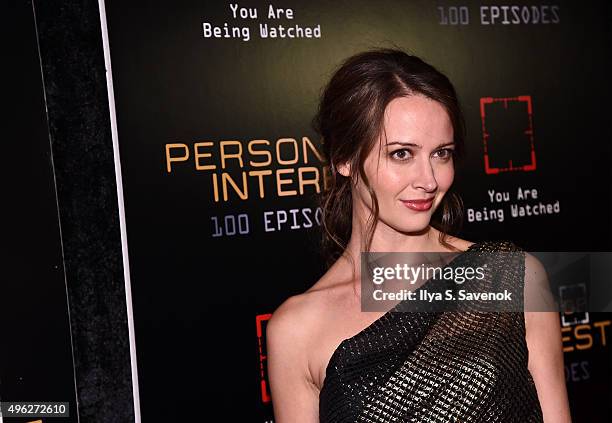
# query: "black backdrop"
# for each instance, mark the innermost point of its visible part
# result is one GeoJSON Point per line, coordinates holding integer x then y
{"type": "Point", "coordinates": [533, 92]}
{"type": "Point", "coordinates": [36, 362]}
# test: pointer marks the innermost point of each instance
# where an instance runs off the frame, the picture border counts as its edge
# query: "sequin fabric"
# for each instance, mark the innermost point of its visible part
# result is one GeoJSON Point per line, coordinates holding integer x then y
{"type": "Point", "coordinates": [443, 366]}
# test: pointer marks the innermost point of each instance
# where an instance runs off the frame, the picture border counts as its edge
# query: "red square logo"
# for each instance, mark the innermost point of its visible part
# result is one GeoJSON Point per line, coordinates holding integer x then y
{"type": "Point", "coordinates": [507, 134]}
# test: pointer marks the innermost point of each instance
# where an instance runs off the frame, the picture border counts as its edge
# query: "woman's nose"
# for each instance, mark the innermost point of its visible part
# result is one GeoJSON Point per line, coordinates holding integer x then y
{"type": "Point", "coordinates": [424, 177]}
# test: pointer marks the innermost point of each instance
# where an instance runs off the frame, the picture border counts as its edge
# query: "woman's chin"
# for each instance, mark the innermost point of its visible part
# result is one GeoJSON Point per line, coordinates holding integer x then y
{"type": "Point", "coordinates": [413, 229]}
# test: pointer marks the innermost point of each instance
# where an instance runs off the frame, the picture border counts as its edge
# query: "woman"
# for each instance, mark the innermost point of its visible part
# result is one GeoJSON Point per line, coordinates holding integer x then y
{"type": "Point", "coordinates": [393, 130]}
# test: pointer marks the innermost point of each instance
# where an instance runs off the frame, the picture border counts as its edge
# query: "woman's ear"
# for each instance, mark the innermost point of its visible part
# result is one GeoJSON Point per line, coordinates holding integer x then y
{"type": "Point", "coordinates": [344, 169]}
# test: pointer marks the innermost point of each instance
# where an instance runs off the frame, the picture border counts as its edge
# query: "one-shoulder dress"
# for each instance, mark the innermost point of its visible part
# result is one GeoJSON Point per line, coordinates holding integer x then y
{"type": "Point", "coordinates": [442, 366]}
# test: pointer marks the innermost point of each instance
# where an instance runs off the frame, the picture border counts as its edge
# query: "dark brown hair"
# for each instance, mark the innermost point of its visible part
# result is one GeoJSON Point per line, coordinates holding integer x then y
{"type": "Point", "coordinates": [350, 120]}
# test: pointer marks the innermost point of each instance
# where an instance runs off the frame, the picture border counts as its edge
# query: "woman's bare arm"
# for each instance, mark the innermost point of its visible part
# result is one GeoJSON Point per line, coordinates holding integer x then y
{"type": "Point", "coordinates": [295, 398]}
{"type": "Point", "coordinates": [543, 336]}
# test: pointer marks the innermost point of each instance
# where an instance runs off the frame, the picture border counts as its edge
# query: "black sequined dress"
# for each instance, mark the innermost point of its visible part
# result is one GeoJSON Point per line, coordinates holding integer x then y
{"type": "Point", "coordinates": [436, 366]}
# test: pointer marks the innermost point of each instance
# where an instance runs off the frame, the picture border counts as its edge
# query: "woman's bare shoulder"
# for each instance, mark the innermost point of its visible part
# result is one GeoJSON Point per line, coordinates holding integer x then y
{"type": "Point", "coordinates": [295, 312]}
{"type": "Point", "coordinates": [301, 315]}
{"type": "Point", "coordinates": [461, 244]}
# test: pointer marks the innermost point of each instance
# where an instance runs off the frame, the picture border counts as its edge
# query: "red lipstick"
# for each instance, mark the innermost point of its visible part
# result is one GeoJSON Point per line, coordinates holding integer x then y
{"type": "Point", "coordinates": [419, 205]}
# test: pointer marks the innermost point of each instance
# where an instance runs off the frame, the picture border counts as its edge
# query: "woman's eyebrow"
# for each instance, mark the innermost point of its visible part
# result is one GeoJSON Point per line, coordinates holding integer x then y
{"type": "Point", "coordinates": [410, 144]}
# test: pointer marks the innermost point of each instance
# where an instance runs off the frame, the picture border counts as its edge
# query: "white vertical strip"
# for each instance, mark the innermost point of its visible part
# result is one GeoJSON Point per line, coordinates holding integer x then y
{"type": "Point", "coordinates": [119, 180]}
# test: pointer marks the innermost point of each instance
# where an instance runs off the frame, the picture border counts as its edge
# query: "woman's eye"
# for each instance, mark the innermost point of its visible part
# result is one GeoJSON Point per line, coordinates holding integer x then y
{"type": "Point", "coordinates": [445, 153]}
{"type": "Point", "coordinates": [401, 154]}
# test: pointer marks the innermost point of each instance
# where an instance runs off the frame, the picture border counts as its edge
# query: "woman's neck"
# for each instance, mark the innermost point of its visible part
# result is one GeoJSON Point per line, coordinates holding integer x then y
{"type": "Point", "coordinates": [386, 239]}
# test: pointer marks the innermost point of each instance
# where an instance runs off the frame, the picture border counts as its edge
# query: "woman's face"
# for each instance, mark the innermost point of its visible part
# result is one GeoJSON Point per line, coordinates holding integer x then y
{"type": "Point", "coordinates": [412, 168]}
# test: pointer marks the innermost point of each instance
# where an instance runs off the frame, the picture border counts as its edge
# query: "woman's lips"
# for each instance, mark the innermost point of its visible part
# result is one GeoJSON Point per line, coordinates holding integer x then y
{"type": "Point", "coordinates": [418, 205]}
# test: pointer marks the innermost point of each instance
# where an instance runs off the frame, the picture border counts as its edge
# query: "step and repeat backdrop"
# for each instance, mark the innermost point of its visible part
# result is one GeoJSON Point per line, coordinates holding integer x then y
{"type": "Point", "coordinates": [221, 168]}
